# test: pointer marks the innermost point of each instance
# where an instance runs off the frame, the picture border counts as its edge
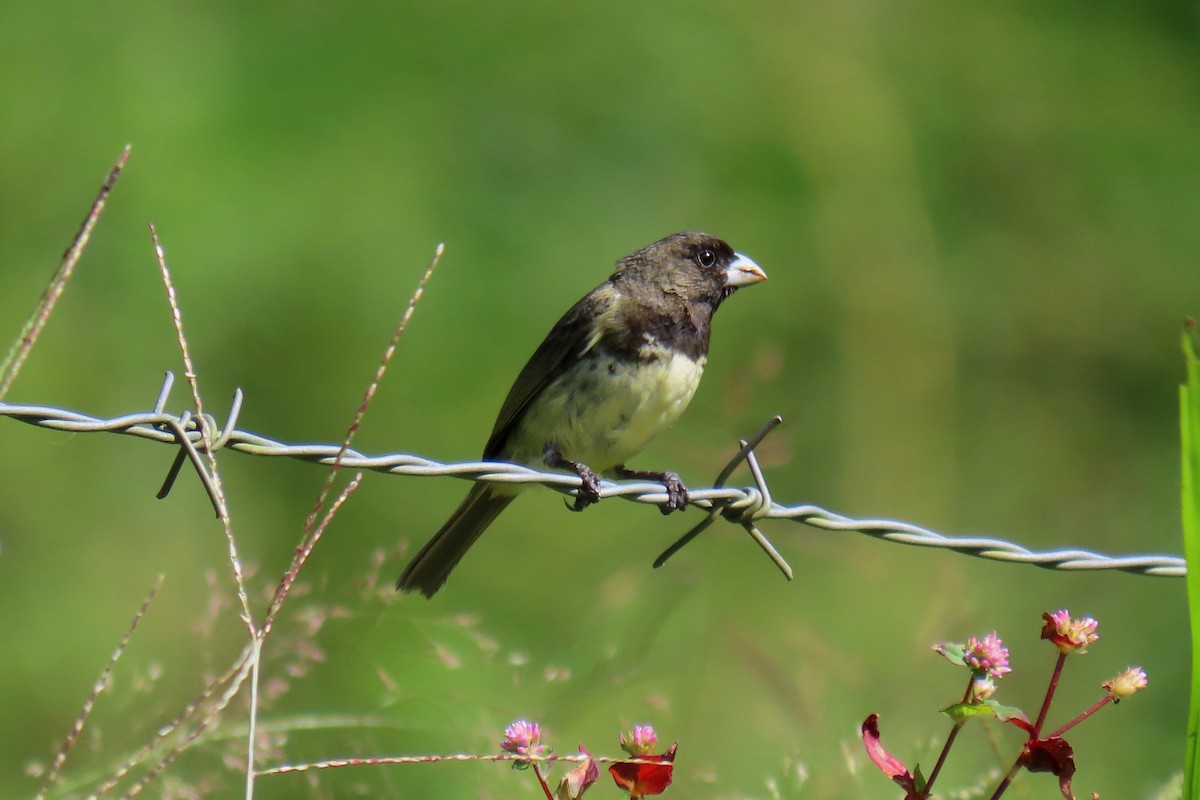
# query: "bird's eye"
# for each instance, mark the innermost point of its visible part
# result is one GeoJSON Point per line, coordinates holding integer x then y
{"type": "Point", "coordinates": [706, 257]}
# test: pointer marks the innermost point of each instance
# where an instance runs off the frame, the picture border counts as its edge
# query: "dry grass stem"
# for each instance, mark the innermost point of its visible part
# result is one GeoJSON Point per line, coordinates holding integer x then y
{"type": "Point", "coordinates": [15, 358]}
{"type": "Point", "coordinates": [235, 673]}
{"type": "Point", "coordinates": [335, 763]}
{"type": "Point", "coordinates": [313, 529]}
{"type": "Point", "coordinates": [97, 688]}
{"type": "Point", "coordinates": [213, 474]}
{"type": "Point", "coordinates": [373, 387]}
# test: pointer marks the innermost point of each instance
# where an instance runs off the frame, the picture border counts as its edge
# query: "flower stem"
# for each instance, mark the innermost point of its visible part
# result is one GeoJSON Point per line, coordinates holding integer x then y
{"type": "Point", "coordinates": [945, 752]}
{"type": "Point", "coordinates": [542, 781]}
{"type": "Point", "coordinates": [1008, 779]}
{"type": "Point", "coordinates": [1058, 667]}
{"type": "Point", "coordinates": [949, 740]}
{"type": "Point", "coordinates": [1101, 703]}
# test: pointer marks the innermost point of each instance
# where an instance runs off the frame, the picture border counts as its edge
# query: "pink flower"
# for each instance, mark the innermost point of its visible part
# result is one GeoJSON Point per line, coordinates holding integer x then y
{"type": "Point", "coordinates": [522, 738]}
{"type": "Point", "coordinates": [1067, 634]}
{"type": "Point", "coordinates": [988, 656]}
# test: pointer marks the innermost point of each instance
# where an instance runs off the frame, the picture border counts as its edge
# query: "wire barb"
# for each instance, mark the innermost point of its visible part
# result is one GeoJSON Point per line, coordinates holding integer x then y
{"type": "Point", "coordinates": [744, 510]}
{"type": "Point", "coordinates": [210, 438]}
{"type": "Point", "coordinates": [162, 427]}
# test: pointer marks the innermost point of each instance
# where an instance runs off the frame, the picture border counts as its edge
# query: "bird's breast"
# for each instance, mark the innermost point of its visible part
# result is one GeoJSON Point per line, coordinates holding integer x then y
{"type": "Point", "coordinates": [608, 406]}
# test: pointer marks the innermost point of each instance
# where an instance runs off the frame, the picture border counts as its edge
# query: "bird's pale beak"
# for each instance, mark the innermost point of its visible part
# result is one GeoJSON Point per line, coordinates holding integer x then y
{"type": "Point", "coordinates": [743, 272]}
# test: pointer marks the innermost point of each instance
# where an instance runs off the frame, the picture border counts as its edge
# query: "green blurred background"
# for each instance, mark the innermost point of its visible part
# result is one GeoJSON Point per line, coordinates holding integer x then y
{"type": "Point", "coordinates": [980, 224]}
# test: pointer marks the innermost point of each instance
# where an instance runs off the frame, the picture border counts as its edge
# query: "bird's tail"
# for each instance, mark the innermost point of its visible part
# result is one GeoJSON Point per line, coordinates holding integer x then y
{"type": "Point", "coordinates": [431, 566]}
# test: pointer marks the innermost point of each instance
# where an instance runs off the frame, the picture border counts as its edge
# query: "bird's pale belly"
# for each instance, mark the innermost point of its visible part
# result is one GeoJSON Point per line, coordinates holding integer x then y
{"type": "Point", "coordinates": [605, 409]}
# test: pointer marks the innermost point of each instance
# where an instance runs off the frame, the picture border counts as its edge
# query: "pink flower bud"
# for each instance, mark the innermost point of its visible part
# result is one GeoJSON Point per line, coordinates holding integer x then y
{"type": "Point", "coordinates": [640, 741]}
{"type": "Point", "coordinates": [1129, 682]}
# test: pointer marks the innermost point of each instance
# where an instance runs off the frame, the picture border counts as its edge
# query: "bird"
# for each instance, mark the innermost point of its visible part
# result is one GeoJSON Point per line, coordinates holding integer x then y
{"type": "Point", "coordinates": [617, 369]}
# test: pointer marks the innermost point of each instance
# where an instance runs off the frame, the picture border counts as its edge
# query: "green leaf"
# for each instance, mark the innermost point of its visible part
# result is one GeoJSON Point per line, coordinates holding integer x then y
{"type": "Point", "coordinates": [961, 711]}
{"type": "Point", "coordinates": [1189, 434]}
{"type": "Point", "coordinates": [1006, 713]}
{"type": "Point", "coordinates": [951, 652]}
{"type": "Point", "coordinates": [988, 708]}
{"type": "Point", "coordinates": [918, 779]}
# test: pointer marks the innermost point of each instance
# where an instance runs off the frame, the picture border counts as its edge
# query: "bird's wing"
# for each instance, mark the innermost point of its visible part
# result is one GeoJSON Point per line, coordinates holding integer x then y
{"type": "Point", "coordinates": [571, 337]}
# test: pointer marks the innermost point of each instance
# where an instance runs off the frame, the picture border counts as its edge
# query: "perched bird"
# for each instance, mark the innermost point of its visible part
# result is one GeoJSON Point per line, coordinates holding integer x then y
{"type": "Point", "coordinates": [617, 369]}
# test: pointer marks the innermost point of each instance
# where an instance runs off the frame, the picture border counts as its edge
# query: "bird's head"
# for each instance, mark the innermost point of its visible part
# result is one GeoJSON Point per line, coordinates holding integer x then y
{"type": "Point", "coordinates": [697, 267]}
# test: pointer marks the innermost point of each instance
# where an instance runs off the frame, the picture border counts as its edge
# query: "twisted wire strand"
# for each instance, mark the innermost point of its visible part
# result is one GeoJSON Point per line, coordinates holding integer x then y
{"type": "Point", "coordinates": [745, 506]}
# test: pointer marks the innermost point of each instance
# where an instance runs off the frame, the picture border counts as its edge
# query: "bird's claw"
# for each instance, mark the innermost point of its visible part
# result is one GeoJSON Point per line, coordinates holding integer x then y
{"type": "Point", "coordinates": [677, 493]}
{"type": "Point", "coordinates": [589, 489]}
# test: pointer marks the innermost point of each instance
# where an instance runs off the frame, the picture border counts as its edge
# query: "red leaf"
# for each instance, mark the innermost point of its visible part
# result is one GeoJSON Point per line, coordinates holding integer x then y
{"type": "Point", "coordinates": [1052, 755]}
{"type": "Point", "coordinates": [1024, 724]}
{"type": "Point", "coordinates": [888, 764]}
{"type": "Point", "coordinates": [641, 780]}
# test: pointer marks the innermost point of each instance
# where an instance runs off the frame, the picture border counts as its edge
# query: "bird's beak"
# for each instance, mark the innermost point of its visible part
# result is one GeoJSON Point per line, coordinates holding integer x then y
{"type": "Point", "coordinates": [743, 272]}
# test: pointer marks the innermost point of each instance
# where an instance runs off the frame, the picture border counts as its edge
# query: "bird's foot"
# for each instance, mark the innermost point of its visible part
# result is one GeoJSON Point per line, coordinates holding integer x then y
{"type": "Point", "coordinates": [677, 493]}
{"type": "Point", "coordinates": [589, 490]}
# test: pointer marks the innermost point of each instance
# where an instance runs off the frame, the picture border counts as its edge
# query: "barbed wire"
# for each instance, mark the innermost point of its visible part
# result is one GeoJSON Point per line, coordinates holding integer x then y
{"type": "Point", "coordinates": [745, 506]}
